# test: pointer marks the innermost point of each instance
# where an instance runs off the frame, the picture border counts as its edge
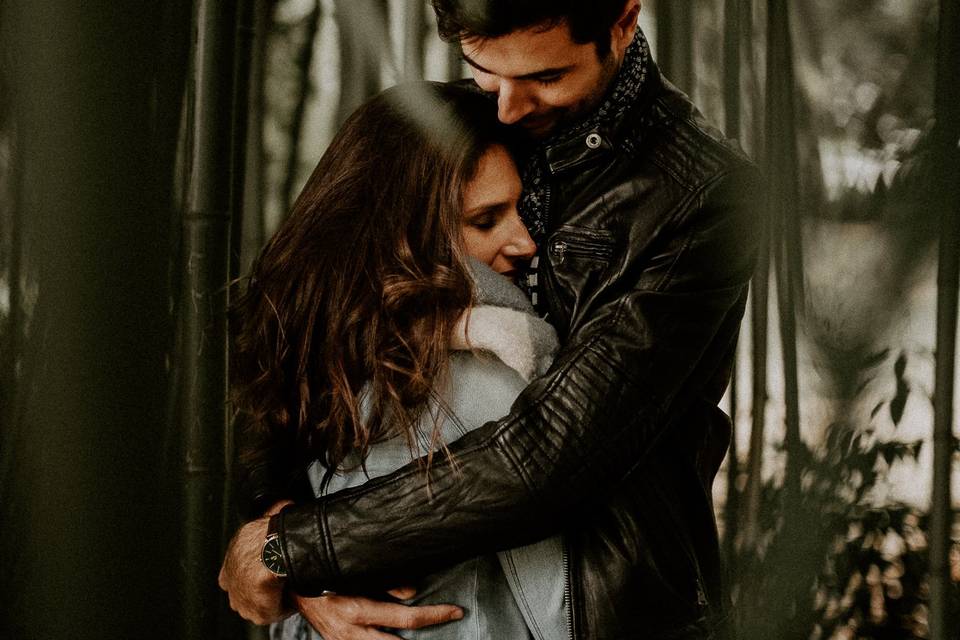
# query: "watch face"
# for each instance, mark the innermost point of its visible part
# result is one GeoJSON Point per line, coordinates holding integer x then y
{"type": "Point", "coordinates": [272, 556]}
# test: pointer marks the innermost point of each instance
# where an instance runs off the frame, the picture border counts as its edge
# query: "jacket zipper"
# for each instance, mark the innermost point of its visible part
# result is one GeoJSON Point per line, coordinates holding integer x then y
{"type": "Point", "coordinates": [570, 246]}
{"type": "Point", "coordinates": [546, 207]}
{"type": "Point", "coordinates": [702, 600]}
{"type": "Point", "coordinates": [567, 590]}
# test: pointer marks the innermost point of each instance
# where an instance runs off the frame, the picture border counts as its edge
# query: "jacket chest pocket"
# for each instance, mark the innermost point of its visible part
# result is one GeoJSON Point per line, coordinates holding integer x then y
{"type": "Point", "coordinates": [581, 245]}
{"type": "Point", "coordinates": [577, 260]}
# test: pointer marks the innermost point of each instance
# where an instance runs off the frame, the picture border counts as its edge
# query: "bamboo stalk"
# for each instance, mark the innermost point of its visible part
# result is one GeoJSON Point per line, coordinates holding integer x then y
{"type": "Point", "coordinates": [172, 141]}
{"type": "Point", "coordinates": [784, 195]}
{"type": "Point", "coordinates": [94, 546]}
{"type": "Point", "coordinates": [759, 321]}
{"type": "Point", "coordinates": [454, 61]}
{"type": "Point", "coordinates": [229, 624]}
{"type": "Point", "coordinates": [783, 198]}
{"type": "Point", "coordinates": [414, 32]}
{"type": "Point", "coordinates": [754, 88]}
{"type": "Point", "coordinates": [731, 67]}
{"type": "Point", "coordinates": [254, 225]}
{"type": "Point", "coordinates": [13, 334]}
{"type": "Point", "coordinates": [731, 77]}
{"type": "Point", "coordinates": [363, 30]}
{"type": "Point", "coordinates": [304, 61]}
{"type": "Point", "coordinates": [15, 319]}
{"type": "Point", "coordinates": [206, 236]}
{"type": "Point", "coordinates": [675, 27]}
{"type": "Point", "coordinates": [244, 97]}
{"type": "Point", "coordinates": [947, 139]}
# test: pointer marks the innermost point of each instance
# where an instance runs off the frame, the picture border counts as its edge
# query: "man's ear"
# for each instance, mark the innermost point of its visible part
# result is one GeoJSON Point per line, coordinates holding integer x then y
{"type": "Point", "coordinates": [625, 28]}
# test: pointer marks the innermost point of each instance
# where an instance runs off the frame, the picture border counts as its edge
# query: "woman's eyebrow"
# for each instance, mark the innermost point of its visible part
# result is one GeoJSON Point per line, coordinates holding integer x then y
{"type": "Point", "coordinates": [489, 208]}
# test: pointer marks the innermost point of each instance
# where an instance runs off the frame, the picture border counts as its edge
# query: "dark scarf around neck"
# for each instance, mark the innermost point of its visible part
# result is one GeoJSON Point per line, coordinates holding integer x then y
{"type": "Point", "coordinates": [623, 93]}
{"type": "Point", "coordinates": [534, 201]}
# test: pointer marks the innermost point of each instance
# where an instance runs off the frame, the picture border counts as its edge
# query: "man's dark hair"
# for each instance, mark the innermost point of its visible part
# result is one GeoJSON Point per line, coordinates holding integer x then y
{"type": "Point", "coordinates": [589, 20]}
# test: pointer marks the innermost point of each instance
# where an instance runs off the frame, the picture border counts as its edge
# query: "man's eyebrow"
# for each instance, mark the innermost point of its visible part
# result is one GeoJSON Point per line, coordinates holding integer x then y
{"type": "Point", "coordinates": [543, 73]}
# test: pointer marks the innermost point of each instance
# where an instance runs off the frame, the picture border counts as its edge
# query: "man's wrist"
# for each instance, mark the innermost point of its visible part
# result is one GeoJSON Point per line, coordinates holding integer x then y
{"type": "Point", "coordinates": [307, 551]}
{"type": "Point", "coordinates": [271, 553]}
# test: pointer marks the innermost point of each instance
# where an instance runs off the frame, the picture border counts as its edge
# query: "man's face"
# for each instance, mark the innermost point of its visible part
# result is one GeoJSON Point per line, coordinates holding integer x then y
{"type": "Point", "coordinates": [542, 78]}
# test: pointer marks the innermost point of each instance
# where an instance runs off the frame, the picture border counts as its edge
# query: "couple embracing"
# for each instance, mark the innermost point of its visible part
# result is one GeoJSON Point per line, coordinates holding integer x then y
{"type": "Point", "coordinates": [483, 356]}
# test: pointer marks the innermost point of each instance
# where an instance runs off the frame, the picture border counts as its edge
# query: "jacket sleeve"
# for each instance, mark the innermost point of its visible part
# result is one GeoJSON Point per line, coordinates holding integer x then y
{"type": "Point", "coordinates": [637, 362]}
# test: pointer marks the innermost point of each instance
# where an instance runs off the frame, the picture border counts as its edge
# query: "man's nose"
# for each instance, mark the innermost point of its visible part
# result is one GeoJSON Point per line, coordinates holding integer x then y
{"type": "Point", "coordinates": [513, 103]}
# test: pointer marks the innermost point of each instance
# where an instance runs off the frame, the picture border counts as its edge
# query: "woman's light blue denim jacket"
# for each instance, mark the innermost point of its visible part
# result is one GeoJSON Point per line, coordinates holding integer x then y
{"type": "Point", "coordinates": [516, 594]}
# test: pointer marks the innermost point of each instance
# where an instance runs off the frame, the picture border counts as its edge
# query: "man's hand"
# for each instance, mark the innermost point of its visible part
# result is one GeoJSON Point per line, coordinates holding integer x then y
{"type": "Point", "coordinates": [338, 617]}
{"type": "Point", "coordinates": [255, 593]}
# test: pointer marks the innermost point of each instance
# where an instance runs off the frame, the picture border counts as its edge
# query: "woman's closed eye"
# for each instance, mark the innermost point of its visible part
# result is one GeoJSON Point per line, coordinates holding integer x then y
{"type": "Point", "coordinates": [488, 217]}
{"type": "Point", "coordinates": [485, 223]}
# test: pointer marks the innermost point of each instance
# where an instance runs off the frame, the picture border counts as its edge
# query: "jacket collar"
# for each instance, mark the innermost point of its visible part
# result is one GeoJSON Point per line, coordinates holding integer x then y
{"type": "Point", "coordinates": [596, 134]}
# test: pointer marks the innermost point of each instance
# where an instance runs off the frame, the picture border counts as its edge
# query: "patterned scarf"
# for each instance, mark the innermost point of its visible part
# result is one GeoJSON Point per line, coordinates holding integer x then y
{"type": "Point", "coordinates": [534, 201]}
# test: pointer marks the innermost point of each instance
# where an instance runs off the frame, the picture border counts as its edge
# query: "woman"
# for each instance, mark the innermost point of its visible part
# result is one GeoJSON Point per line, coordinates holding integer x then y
{"type": "Point", "coordinates": [380, 322]}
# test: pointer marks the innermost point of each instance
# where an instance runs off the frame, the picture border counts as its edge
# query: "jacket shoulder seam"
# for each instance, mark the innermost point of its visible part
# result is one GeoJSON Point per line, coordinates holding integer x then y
{"type": "Point", "coordinates": [684, 135]}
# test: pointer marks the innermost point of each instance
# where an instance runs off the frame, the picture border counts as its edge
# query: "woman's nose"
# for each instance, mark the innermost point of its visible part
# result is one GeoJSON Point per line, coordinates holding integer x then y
{"type": "Point", "coordinates": [520, 244]}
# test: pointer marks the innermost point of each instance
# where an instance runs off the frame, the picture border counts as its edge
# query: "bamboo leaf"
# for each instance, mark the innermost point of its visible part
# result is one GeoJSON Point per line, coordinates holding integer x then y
{"type": "Point", "coordinates": [899, 403]}
{"type": "Point", "coordinates": [874, 359]}
{"type": "Point", "coordinates": [900, 366]}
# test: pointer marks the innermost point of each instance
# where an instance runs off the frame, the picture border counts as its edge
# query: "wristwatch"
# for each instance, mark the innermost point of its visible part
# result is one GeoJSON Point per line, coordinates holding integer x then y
{"type": "Point", "coordinates": [271, 554]}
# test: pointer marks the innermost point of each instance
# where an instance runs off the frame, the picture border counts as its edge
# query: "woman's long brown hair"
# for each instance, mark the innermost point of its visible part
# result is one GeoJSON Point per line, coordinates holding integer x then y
{"type": "Point", "coordinates": [354, 300]}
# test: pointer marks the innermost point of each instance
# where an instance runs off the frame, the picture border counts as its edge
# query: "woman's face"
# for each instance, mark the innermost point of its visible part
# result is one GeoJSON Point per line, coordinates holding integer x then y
{"type": "Point", "coordinates": [492, 229]}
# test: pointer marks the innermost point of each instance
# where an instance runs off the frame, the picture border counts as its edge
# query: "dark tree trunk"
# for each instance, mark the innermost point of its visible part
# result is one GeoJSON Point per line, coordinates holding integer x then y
{"type": "Point", "coordinates": [732, 37]}
{"type": "Point", "coordinates": [206, 242]}
{"type": "Point", "coordinates": [759, 321]}
{"type": "Point", "coordinates": [675, 41]}
{"type": "Point", "coordinates": [304, 62]}
{"type": "Point", "coordinates": [363, 32]}
{"type": "Point", "coordinates": [13, 331]}
{"type": "Point", "coordinates": [253, 227]}
{"type": "Point", "coordinates": [245, 99]}
{"type": "Point", "coordinates": [731, 110]}
{"type": "Point", "coordinates": [947, 139]}
{"type": "Point", "coordinates": [250, 29]}
{"type": "Point", "coordinates": [783, 197]}
{"type": "Point", "coordinates": [14, 324]}
{"type": "Point", "coordinates": [783, 201]}
{"type": "Point", "coordinates": [414, 33]}
{"type": "Point", "coordinates": [89, 541]}
{"type": "Point", "coordinates": [454, 61]}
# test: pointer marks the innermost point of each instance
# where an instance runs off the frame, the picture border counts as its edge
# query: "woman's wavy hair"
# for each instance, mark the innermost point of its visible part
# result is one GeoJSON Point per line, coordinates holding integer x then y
{"type": "Point", "coordinates": [345, 322]}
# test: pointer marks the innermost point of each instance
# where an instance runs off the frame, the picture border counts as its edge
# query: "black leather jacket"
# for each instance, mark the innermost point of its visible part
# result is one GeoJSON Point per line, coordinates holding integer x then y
{"type": "Point", "coordinates": [648, 255]}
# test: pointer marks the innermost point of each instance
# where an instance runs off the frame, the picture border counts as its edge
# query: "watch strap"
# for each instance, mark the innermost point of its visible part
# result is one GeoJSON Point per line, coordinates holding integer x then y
{"type": "Point", "coordinates": [273, 525]}
{"type": "Point", "coordinates": [272, 554]}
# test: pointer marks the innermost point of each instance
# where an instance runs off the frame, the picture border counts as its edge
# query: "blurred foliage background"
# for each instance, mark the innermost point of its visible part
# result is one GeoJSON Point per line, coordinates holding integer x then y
{"type": "Point", "coordinates": [147, 152]}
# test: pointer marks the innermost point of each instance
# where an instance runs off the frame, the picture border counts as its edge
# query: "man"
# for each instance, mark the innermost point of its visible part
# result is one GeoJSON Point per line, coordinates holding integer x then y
{"type": "Point", "coordinates": [646, 240]}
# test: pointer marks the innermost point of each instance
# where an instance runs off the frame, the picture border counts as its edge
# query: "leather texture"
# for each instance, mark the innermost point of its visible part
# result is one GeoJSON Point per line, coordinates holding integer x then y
{"type": "Point", "coordinates": [651, 244]}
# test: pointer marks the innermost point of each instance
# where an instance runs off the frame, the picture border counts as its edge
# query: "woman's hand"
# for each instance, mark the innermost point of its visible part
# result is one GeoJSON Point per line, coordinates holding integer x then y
{"type": "Point", "coordinates": [338, 617]}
